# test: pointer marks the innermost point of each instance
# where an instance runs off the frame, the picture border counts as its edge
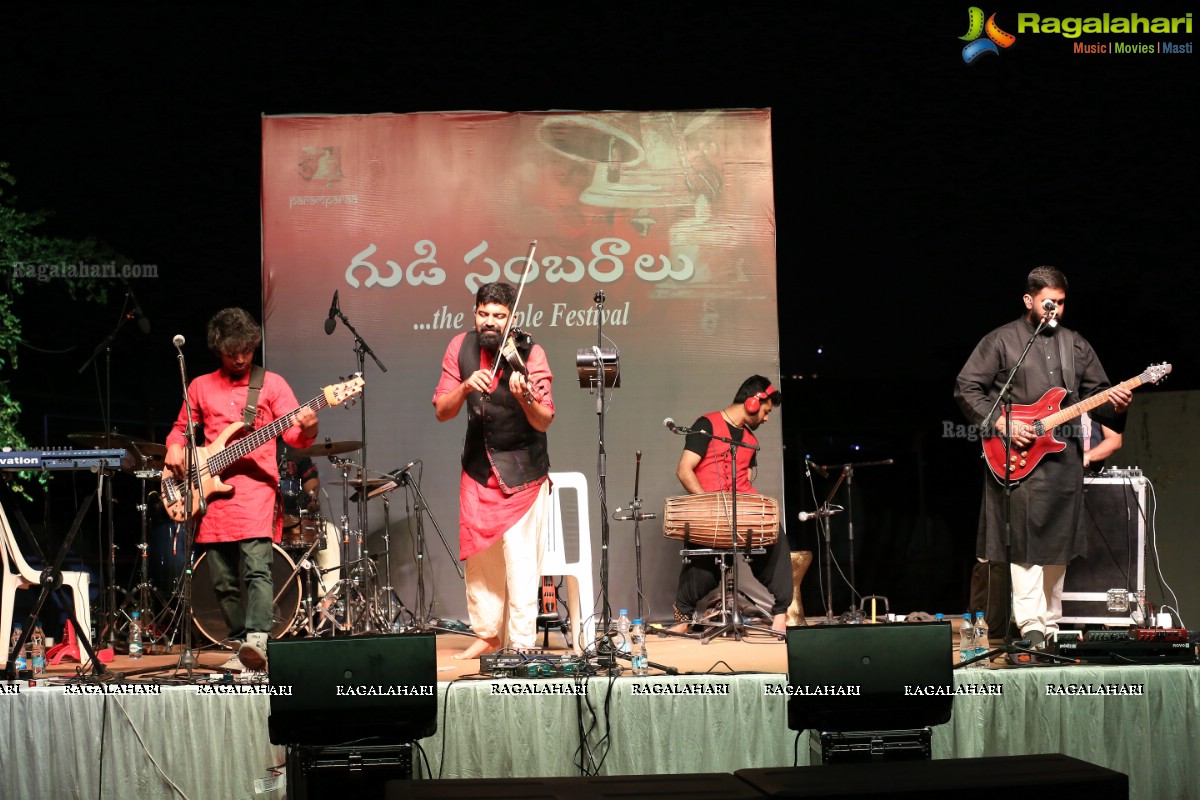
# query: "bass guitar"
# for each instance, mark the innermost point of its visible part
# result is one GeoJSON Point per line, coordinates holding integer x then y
{"type": "Point", "coordinates": [1045, 415]}
{"type": "Point", "coordinates": [217, 457]}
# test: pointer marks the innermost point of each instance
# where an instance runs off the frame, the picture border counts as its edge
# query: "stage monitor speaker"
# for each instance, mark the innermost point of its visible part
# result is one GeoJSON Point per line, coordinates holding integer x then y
{"type": "Point", "coordinates": [1050, 775]}
{"type": "Point", "coordinates": [853, 678]}
{"type": "Point", "coordinates": [1114, 520]}
{"type": "Point", "coordinates": [376, 690]}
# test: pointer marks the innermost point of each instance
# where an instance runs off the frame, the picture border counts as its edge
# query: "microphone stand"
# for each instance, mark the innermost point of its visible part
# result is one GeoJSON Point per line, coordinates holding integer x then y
{"type": "Point", "coordinates": [106, 629]}
{"type": "Point", "coordinates": [855, 614]}
{"type": "Point", "coordinates": [1004, 402]}
{"type": "Point", "coordinates": [605, 645]}
{"type": "Point", "coordinates": [361, 350]}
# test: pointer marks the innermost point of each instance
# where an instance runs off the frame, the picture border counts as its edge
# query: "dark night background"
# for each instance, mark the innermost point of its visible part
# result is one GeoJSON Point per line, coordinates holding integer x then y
{"type": "Point", "coordinates": [913, 194]}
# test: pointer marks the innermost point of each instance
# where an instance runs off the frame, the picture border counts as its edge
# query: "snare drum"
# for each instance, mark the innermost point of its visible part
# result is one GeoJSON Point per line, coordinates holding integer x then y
{"type": "Point", "coordinates": [707, 519]}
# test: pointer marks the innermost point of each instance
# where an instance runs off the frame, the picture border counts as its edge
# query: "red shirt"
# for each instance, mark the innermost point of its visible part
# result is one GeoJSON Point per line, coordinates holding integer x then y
{"type": "Point", "coordinates": [485, 512]}
{"type": "Point", "coordinates": [250, 510]}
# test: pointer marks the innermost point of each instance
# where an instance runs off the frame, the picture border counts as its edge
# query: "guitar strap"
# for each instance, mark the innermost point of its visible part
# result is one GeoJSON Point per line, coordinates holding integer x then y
{"type": "Point", "coordinates": [1066, 351]}
{"type": "Point", "coordinates": [257, 376]}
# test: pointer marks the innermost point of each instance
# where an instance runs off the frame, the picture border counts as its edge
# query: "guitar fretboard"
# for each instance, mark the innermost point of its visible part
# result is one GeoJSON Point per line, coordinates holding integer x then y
{"type": "Point", "coordinates": [1071, 412]}
{"type": "Point", "coordinates": [251, 442]}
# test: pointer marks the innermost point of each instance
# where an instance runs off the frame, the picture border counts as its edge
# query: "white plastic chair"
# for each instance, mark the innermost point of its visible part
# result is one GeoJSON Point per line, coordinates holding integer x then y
{"type": "Point", "coordinates": [26, 577]}
{"type": "Point", "coordinates": [569, 552]}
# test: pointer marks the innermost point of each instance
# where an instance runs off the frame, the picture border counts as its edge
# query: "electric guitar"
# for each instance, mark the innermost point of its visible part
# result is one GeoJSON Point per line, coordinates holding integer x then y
{"type": "Point", "coordinates": [1045, 416]}
{"type": "Point", "coordinates": [217, 457]}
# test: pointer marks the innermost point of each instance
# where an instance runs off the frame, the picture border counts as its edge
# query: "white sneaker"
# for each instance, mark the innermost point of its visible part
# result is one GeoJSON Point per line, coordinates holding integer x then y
{"type": "Point", "coordinates": [253, 653]}
{"type": "Point", "coordinates": [234, 664]}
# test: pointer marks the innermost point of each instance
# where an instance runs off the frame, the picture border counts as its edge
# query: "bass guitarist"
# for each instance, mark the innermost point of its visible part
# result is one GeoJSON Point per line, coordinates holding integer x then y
{"type": "Point", "coordinates": [240, 526]}
{"type": "Point", "coordinates": [1045, 505]}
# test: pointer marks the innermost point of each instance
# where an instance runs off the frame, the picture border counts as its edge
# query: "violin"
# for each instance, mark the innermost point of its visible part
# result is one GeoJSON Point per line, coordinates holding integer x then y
{"type": "Point", "coordinates": [510, 350]}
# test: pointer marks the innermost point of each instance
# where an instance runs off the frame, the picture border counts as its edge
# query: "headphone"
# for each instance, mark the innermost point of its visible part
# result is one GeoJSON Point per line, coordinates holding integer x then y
{"type": "Point", "coordinates": [754, 402]}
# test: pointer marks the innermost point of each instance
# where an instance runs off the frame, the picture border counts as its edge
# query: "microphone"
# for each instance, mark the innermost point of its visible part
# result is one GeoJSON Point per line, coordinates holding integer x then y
{"type": "Point", "coordinates": [331, 322]}
{"type": "Point", "coordinates": [598, 297]}
{"type": "Point", "coordinates": [398, 472]}
{"type": "Point", "coordinates": [1051, 311]}
{"type": "Point", "coordinates": [137, 313]}
{"type": "Point", "coordinates": [1049, 305]}
{"type": "Point", "coordinates": [821, 513]}
{"type": "Point", "coordinates": [819, 469]}
{"type": "Point", "coordinates": [178, 340]}
{"type": "Point", "coordinates": [672, 427]}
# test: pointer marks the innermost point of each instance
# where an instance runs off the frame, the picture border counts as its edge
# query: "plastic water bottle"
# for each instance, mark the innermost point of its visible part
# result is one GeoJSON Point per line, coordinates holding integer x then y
{"type": "Point", "coordinates": [981, 638]}
{"type": "Point", "coordinates": [966, 639]}
{"type": "Point", "coordinates": [135, 636]}
{"type": "Point", "coordinates": [21, 662]}
{"type": "Point", "coordinates": [623, 625]}
{"type": "Point", "coordinates": [939, 617]}
{"type": "Point", "coordinates": [641, 660]}
{"type": "Point", "coordinates": [37, 661]}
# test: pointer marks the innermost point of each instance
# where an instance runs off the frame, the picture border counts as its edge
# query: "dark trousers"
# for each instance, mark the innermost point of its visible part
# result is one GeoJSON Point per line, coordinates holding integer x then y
{"type": "Point", "coordinates": [991, 593]}
{"type": "Point", "coordinates": [773, 569]}
{"type": "Point", "coordinates": [254, 556]}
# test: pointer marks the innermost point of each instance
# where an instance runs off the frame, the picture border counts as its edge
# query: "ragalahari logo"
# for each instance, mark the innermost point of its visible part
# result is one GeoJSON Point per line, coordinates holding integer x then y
{"type": "Point", "coordinates": [976, 28]}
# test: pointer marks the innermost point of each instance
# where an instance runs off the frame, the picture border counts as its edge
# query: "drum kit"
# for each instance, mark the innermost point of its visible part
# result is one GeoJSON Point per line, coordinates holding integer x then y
{"type": "Point", "coordinates": [325, 582]}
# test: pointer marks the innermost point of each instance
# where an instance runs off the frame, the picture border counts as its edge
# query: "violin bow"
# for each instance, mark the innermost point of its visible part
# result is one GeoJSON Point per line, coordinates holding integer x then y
{"type": "Point", "coordinates": [508, 326]}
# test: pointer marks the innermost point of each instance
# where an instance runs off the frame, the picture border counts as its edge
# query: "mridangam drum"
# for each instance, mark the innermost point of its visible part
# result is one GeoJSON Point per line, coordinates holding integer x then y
{"type": "Point", "coordinates": [705, 520]}
{"type": "Point", "coordinates": [207, 611]}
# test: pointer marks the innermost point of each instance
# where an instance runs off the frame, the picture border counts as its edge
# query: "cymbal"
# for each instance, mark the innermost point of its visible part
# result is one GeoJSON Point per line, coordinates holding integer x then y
{"type": "Point", "coordinates": [357, 483]}
{"type": "Point", "coordinates": [328, 448]}
{"type": "Point", "coordinates": [102, 439]}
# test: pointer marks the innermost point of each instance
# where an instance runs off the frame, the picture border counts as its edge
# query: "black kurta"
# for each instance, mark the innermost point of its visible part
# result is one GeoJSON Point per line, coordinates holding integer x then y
{"type": "Point", "coordinates": [1045, 506]}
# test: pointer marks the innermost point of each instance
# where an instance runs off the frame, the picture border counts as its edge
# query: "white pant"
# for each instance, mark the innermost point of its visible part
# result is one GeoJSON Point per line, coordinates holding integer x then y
{"type": "Point", "coordinates": [1037, 597]}
{"type": "Point", "coordinates": [502, 581]}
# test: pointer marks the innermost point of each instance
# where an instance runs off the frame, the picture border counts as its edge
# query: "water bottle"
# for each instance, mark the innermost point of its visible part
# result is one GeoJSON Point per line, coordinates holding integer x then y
{"type": "Point", "coordinates": [21, 662]}
{"type": "Point", "coordinates": [623, 643]}
{"type": "Point", "coordinates": [966, 639]}
{"type": "Point", "coordinates": [939, 617]}
{"type": "Point", "coordinates": [641, 660]}
{"type": "Point", "coordinates": [981, 637]}
{"type": "Point", "coordinates": [135, 636]}
{"type": "Point", "coordinates": [37, 661]}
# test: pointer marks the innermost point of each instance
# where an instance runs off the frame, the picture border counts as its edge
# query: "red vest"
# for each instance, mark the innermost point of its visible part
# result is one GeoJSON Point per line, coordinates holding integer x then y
{"type": "Point", "coordinates": [713, 469]}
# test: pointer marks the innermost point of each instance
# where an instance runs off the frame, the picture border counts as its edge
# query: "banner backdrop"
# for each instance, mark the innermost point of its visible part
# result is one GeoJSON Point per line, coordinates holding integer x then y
{"type": "Point", "coordinates": [669, 215]}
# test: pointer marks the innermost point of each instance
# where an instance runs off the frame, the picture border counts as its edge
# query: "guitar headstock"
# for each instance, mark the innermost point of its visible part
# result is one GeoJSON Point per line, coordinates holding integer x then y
{"type": "Point", "coordinates": [338, 393]}
{"type": "Point", "coordinates": [1156, 372]}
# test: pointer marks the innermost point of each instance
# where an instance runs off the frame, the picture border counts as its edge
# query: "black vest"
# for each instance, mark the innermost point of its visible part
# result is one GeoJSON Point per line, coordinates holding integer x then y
{"type": "Point", "coordinates": [498, 435]}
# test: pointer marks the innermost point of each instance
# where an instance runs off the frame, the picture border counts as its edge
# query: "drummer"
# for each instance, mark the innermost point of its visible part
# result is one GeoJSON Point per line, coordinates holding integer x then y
{"type": "Point", "coordinates": [704, 467]}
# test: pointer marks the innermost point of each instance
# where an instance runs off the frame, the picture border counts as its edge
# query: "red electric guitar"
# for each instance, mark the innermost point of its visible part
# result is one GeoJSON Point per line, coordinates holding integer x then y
{"type": "Point", "coordinates": [1045, 416]}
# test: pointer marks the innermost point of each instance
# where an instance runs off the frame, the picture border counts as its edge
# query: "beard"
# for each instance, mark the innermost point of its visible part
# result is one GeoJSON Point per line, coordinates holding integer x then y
{"type": "Point", "coordinates": [489, 339]}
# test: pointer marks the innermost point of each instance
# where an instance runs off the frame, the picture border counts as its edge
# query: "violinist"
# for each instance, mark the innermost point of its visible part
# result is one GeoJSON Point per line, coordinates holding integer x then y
{"type": "Point", "coordinates": [504, 380]}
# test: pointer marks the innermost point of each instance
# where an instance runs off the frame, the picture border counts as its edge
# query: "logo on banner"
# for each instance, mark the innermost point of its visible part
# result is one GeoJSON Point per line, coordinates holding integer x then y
{"type": "Point", "coordinates": [321, 164]}
{"type": "Point", "coordinates": [983, 37]}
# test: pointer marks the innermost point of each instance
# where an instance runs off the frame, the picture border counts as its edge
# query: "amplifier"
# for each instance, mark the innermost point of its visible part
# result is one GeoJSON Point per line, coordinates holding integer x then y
{"type": "Point", "coordinates": [1097, 589]}
{"type": "Point", "coordinates": [1129, 651]}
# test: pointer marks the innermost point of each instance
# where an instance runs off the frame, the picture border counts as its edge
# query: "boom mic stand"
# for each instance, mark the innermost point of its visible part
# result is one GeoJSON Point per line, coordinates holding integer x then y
{"type": "Point", "coordinates": [361, 350]}
{"type": "Point", "coordinates": [1004, 401]}
{"type": "Point", "coordinates": [854, 614]}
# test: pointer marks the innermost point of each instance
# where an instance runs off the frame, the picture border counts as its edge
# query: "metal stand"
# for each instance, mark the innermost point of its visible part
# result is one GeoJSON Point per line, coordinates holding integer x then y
{"type": "Point", "coordinates": [854, 615]}
{"type": "Point", "coordinates": [599, 370]}
{"type": "Point", "coordinates": [51, 580]}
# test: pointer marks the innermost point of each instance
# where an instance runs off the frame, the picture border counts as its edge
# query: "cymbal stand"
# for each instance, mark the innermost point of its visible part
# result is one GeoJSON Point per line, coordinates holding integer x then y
{"type": "Point", "coordinates": [304, 620]}
{"type": "Point", "coordinates": [144, 594]}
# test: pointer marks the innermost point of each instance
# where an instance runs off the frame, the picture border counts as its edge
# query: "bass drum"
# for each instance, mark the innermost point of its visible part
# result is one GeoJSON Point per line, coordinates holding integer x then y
{"type": "Point", "coordinates": [206, 611]}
